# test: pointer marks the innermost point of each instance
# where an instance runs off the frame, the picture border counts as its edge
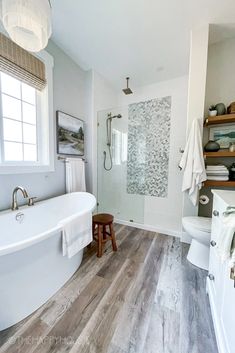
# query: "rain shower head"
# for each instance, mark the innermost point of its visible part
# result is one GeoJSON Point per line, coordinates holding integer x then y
{"type": "Point", "coordinates": [127, 90]}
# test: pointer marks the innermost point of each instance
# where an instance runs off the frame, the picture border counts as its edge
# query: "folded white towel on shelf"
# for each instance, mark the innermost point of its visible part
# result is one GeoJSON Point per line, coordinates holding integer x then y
{"type": "Point", "coordinates": [217, 177]}
{"type": "Point", "coordinates": [225, 241]}
{"type": "Point", "coordinates": [217, 172]}
{"type": "Point", "coordinates": [216, 167]}
{"type": "Point", "coordinates": [76, 233]}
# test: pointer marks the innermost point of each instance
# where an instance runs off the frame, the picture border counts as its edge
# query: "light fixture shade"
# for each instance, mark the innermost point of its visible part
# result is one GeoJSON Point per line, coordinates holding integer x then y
{"type": "Point", "coordinates": [28, 22]}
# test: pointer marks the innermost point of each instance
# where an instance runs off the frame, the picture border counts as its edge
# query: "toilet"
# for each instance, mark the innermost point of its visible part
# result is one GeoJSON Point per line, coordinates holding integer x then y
{"type": "Point", "coordinates": [199, 228]}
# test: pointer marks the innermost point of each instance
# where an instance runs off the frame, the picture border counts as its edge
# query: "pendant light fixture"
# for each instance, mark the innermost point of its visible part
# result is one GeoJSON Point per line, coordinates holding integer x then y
{"type": "Point", "coordinates": [28, 22]}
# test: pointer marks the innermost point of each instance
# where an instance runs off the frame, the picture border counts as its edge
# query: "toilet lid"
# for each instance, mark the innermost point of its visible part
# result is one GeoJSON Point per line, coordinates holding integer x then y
{"type": "Point", "coordinates": [201, 223]}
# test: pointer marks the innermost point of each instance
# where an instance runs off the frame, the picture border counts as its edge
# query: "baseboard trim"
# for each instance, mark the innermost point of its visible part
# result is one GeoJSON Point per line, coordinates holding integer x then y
{"type": "Point", "coordinates": [150, 228]}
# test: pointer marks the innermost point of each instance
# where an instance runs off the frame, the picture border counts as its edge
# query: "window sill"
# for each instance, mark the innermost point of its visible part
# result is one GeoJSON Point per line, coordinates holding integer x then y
{"type": "Point", "coordinates": [26, 169]}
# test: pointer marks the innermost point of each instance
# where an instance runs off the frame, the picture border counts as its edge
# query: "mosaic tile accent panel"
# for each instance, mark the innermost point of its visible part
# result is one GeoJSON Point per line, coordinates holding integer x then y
{"type": "Point", "coordinates": [148, 147]}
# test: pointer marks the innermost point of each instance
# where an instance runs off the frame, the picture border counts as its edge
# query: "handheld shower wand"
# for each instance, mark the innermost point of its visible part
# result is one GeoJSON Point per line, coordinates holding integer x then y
{"type": "Point", "coordinates": [109, 139]}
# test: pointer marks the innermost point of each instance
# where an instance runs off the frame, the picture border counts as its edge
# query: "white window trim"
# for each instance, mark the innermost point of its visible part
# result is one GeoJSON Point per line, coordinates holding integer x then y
{"type": "Point", "coordinates": [47, 120]}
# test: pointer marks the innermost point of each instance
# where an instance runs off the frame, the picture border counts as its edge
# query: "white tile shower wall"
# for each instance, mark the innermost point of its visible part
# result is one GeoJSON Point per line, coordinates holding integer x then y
{"type": "Point", "coordinates": [149, 126]}
{"type": "Point", "coordinates": [69, 96]}
{"type": "Point", "coordinates": [164, 214]}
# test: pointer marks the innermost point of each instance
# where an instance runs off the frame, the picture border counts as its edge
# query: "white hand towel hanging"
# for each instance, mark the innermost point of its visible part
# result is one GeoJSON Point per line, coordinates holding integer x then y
{"type": "Point", "coordinates": [75, 175]}
{"type": "Point", "coordinates": [192, 163]}
{"type": "Point", "coordinates": [76, 233]}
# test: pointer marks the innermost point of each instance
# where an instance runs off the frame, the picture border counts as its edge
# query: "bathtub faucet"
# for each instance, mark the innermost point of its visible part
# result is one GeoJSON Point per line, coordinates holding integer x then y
{"type": "Point", "coordinates": [14, 205]}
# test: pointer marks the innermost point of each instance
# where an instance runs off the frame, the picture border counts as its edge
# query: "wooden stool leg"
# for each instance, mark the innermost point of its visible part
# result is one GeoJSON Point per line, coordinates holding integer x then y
{"type": "Point", "coordinates": [93, 229]}
{"type": "Point", "coordinates": [113, 238]}
{"type": "Point", "coordinates": [100, 242]}
{"type": "Point", "coordinates": [104, 232]}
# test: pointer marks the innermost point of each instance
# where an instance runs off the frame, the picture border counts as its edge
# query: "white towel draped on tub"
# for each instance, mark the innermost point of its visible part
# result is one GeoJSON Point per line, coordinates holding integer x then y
{"type": "Point", "coordinates": [75, 175]}
{"type": "Point", "coordinates": [226, 240]}
{"type": "Point", "coordinates": [76, 234]}
{"type": "Point", "coordinates": [192, 163]}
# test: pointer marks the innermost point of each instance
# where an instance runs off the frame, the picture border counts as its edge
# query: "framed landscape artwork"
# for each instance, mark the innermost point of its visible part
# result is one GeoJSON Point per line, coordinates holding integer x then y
{"type": "Point", "coordinates": [70, 134]}
{"type": "Point", "coordinates": [223, 135]}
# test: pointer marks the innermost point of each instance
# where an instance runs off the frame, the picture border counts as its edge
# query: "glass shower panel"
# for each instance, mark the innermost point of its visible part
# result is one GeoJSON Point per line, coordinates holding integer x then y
{"type": "Point", "coordinates": [112, 184]}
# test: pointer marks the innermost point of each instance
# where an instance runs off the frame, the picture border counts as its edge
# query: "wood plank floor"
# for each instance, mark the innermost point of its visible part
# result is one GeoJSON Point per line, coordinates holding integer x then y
{"type": "Point", "coordinates": [146, 298]}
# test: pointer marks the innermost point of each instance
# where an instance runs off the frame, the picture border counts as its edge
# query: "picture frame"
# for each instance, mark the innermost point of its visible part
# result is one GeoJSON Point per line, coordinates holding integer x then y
{"type": "Point", "coordinates": [70, 134]}
{"type": "Point", "coordinates": [223, 135]}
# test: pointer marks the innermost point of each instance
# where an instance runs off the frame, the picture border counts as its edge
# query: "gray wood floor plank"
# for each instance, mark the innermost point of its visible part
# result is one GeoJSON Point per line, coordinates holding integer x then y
{"type": "Point", "coordinates": [136, 252]}
{"type": "Point", "coordinates": [196, 328]}
{"type": "Point", "coordinates": [163, 331]}
{"type": "Point", "coordinates": [146, 298]}
{"type": "Point", "coordinates": [66, 331]}
{"type": "Point", "coordinates": [79, 281]}
{"type": "Point", "coordinates": [115, 349]}
{"type": "Point", "coordinates": [101, 326]}
{"type": "Point", "coordinates": [169, 285]}
{"type": "Point", "coordinates": [136, 310]}
{"type": "Point", "coordinates": [29, 339]}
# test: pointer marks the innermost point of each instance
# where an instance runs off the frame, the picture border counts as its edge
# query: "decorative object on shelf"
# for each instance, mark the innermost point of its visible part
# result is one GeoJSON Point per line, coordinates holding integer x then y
{"type": "Point", "coordinates": [232, 147]}
{"type": "Point", "coordinates": [232, 172]}
{"type": "Point", "coordinates": [28, 22]}
{"type": "Point", "coordinates": [231, 108]}
{"type": "Point", "coordinates": [212, 111]}
{"type": "Point", "coordinates": [223, 135]}
{"type": "Point", "coordinates": [221, 109]}
{"type": "Point", "coordinates": [70, 134]}
{"type": "Point", "coordinates": [211, 146]}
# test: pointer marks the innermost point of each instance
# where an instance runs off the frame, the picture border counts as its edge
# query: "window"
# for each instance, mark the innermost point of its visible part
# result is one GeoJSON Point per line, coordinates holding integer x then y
{"type": "Point", "coordinates": [19, 120]}
{"type": "Point", "coordinates": [26, 124]}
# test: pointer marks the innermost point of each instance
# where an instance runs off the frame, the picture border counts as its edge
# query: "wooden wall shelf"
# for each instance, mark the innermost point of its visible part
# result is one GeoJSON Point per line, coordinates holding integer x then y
{"type": "Point", "coordinates": [220, 119]}
{"type": "Point", "coordinates": [219, 154]}
{"type": "Point", "coordinates": [219, 183]}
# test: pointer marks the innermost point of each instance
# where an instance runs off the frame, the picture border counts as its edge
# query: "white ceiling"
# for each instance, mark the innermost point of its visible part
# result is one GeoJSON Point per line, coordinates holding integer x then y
{"type": "Point", "coordinates": [148, 40]}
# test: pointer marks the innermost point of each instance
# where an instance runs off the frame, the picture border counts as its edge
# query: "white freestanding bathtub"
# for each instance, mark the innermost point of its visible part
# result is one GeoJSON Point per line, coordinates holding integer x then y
{"type": "Point", "coordinates": [32, 267]}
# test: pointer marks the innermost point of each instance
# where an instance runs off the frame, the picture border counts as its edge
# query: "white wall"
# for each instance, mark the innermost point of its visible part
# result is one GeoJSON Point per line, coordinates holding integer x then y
{"type": "Point", "coordinates": [69, 96]}
{"type": "Point", "coordinates": [101, 96]}
{"type": "Point", "coordinates": [165, 214]}
{"type": "Point", "coordinates": [196, 94]}
{"type": "Point", "coordinates": [220, 87]}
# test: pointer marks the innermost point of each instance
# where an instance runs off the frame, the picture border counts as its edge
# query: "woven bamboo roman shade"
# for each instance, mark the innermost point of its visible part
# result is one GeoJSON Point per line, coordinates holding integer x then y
{"type": "Point", "coordinates": [20, 64]}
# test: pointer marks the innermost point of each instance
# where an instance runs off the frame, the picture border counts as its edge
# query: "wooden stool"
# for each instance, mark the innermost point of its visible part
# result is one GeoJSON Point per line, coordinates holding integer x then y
{"type": "Point", "coordinates": [100, 234]}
